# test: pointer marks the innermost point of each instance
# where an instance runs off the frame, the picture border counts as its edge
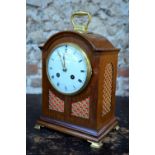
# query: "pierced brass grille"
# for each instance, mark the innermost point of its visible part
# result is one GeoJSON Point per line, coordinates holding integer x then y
{"type": "Point", "coordinates": [81, 108]}
{"type": "Point", "coordinates": [55, 103]}
{"type": "Point", "coordinates": [107, 89]}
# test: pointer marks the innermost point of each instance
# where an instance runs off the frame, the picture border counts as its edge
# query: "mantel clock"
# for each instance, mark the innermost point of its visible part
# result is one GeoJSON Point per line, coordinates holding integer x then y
{"type": "Point", "coordinates": [78, 83]}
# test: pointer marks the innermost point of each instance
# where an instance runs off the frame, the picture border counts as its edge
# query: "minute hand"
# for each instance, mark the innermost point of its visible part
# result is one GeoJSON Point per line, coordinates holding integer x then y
{"type": "Point", "coordinates": [61, 60]}
{"type": "Point", "coordinates": [64, 67]}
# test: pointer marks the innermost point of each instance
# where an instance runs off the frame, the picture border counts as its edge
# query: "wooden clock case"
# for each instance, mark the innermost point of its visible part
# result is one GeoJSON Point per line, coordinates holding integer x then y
{"type": "Point", "coordinates": [100, 90]}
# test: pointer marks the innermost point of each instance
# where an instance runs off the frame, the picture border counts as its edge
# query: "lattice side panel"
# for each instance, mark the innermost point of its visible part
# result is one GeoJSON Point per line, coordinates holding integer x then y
{"type": "Point", "coordinates": [107, 89]}
{"type": "Point", "coordinates": [55, 103]}
{"type": "Point", "coordinates": [81, 108]}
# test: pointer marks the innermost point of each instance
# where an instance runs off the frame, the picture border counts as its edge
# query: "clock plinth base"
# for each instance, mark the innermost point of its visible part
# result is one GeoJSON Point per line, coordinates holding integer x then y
{"type": "Point", "coordinates": [93, 136]}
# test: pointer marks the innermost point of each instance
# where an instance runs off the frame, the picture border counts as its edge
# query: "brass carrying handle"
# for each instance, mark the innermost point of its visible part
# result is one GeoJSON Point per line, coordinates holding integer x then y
{"type": "Point", "coordinates": [81, 28]}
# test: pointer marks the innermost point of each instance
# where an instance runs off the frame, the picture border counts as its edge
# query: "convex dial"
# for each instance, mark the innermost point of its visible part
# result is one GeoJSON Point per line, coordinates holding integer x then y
{"type": "Point", "coordinates": [68, 68]}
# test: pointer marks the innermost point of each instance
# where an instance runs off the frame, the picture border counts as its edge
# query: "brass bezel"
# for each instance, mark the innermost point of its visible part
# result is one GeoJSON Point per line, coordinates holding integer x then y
{"type": "Point", "coordinates": [88, 64]}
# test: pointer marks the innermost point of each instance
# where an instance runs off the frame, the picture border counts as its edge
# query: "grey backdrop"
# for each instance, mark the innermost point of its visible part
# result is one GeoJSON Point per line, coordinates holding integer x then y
{"type": "Point", "coordinates": [46, 17]}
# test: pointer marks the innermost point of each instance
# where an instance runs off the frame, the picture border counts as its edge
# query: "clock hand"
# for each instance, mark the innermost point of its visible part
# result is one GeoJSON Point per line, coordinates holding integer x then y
{"type": "Point", "coordinates": [61, 60]}
{"type": "Point", "coordinates": [64, 69]}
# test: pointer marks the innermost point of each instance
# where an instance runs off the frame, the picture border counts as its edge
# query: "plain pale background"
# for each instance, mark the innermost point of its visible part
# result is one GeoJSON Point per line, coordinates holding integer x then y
{"type": "Point", "coordinates": [13, 77]}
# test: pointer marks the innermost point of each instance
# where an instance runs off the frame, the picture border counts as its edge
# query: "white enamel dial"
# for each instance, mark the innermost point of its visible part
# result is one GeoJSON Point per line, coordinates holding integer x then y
{"type": "Point", "coordinates": [68, 68]}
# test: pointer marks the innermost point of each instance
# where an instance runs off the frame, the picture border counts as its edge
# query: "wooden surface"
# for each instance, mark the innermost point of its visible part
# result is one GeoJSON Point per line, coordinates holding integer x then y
{"type": "Point", "coordinates": [47, 142]}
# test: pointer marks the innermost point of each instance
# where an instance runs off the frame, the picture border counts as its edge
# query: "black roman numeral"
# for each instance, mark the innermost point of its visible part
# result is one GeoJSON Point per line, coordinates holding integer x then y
{"type": "Point", "coordinates": [80, 80]}
{"type": "Point", "coordinates": [80, 61]}
{"type": "Point", "coordinates": [58, 84]}
{"type": "Point", "coordinates": [82, 71]}
{"type": "Point", "coordinates": [66, 48]}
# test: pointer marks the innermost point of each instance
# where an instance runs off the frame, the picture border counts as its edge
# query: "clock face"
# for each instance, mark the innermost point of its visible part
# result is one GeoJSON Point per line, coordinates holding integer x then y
{"type": "Point", "coordinates": [68, 68]}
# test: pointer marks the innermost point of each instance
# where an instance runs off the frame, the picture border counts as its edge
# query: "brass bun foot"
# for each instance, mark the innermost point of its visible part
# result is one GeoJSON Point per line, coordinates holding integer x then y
{"type": "Point", "coordinates": [117, 127]}
{"type": "Point", "coordinates": [37, 126]}
{"type": "Point", "coordinates": [95, 144]}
